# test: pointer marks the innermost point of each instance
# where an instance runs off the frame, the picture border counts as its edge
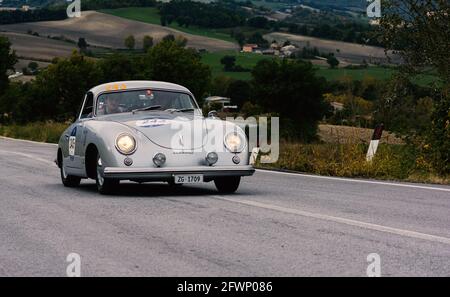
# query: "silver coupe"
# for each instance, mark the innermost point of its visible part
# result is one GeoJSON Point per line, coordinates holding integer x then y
{"type": "Point", "coordinates": [146, 131]}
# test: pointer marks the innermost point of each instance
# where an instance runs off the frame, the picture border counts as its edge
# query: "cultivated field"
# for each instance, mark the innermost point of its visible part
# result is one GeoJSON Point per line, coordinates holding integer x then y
{"type": "Point", "coordinates": [40, 48]}
{"type": "Point", "coordinates": [151, 15]}
{"type": "Point", "coordinates": [106, 30]}
{"type": "Point", "coordinates": [344, 51]}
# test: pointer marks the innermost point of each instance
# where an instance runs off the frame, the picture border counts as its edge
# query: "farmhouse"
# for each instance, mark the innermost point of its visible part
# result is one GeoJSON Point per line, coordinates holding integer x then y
{"type": "Point", "coordinates": [249, 48]}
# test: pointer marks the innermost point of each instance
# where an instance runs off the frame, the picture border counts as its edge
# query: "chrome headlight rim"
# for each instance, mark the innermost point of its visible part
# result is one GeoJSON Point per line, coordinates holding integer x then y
{"type": "Point", "coordinates": [241, 146]}
{"type": "Point", "coordinates": [118, 148]}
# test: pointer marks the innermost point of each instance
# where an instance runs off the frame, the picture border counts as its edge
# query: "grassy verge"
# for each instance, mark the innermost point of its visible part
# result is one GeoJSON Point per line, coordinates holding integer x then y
{"type": "Point", "coordinates": [392, 162]}
{"type": "Point", "coordinates": [150, 15]}
{"type": "Point", "coordinates": [43, 132]}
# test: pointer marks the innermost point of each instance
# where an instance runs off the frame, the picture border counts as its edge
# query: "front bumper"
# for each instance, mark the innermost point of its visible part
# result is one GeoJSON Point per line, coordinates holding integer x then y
{"type": "Point", "coordinates": [167, 173]}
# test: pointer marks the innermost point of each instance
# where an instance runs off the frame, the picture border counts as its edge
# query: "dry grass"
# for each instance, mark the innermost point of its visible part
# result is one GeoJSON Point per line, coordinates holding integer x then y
{"type": "Point", "coordinates": [347, 134]}
{"type": "Point", "coordinates": [392, 162]}
{"type": "Point", "coordinates": [43, 132]}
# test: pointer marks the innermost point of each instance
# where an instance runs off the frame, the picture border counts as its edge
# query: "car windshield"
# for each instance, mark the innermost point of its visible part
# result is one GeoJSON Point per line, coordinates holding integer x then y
{"type": "Point", "coordinates": [143, 100]}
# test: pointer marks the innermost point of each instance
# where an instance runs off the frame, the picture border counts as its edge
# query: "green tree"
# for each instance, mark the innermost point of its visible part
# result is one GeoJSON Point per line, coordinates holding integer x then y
{"type": "Point", "coordinates": [7, 61]}
{"type": "Point", "coordinates": [14, 103]}
{"type": "Point", "coordinates": [219, 85]}
{"type": "Point", "coordinates": [258, 39]}
{"type": "Point", "coordinates": [118, 67]}
{"type": "Point", "coordinates": [169, 37]}
{"type": "Point", "coordinates": [147, 42]}
{"type": "Point", "coordinates": [33, 67]}
{"type": "Point", "coordinates": [228, 62]}
{"type": "Point", "coordinates": [332, 61]}
{"type": "Point", "coordinates": [130, 42]}
{"type": "Point", "coordinates": [291, 89]}
{"type": "Point", "coordinates": [240, 38]}
{"type": "Point", "coordinates": [181, 41]}
{"type": "Point", "coordinates": [82, 44]}
{"type": "Point", "coordinates": [163, 20]}
{"type": "Point", "coordinates": [168, 61]}
{"type": "Point", "coordinates": [59, 89]}
{"type": "Point", "coordinates": [439, 136]}
{"type": "Point", "coordinates": [420, 32]}
{"type": "Point", "coordinates": [239, 91]}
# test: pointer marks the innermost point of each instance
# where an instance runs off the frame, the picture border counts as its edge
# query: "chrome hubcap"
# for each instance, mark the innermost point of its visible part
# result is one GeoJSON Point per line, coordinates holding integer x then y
{"type": "Point", "coordinates": [64, 174]}
{"type": "Point", "coordinates": [99, 173]}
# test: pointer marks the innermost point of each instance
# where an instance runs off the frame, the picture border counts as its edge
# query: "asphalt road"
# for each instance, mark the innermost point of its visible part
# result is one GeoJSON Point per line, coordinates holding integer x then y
{"type": "Point", "coordinates": [277, 224]}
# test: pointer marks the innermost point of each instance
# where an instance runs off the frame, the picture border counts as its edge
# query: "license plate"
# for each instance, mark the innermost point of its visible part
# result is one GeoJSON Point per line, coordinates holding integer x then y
{"type": "Point", "coordinates": [188, 179]}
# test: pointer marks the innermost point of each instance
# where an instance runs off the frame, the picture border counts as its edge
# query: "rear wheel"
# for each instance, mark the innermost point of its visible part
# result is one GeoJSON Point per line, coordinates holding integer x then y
{"type": "Point", "coordinates": [105, 186]}
{"type": "Point", "coordinates": [67, 179]}
{"type": "Point", "coordinates": [227, 184]}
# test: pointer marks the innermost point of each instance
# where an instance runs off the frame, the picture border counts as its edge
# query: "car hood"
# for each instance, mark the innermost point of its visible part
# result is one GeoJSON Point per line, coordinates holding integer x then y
{"type": "Point", "coordinates": [178, 131]}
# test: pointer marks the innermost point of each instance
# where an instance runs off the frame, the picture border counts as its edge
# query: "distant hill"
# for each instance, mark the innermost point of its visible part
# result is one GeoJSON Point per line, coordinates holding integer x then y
{"type": "Point", "coordinates": [32, 3]}
{"type": "Point", "coordinates": [353, 5]}
{"type": "Point", "coordinates": [104, 30]}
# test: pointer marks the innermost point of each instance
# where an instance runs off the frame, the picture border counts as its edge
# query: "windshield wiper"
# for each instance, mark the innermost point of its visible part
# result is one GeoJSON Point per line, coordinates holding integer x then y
{"type": "Point", "coordinates": [147, 108]}
{"type": "Point", "coordinates": [181, 110]}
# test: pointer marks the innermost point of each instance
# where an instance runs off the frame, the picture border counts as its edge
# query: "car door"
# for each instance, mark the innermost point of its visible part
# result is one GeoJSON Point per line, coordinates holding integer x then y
{"type": "Point", "coordinates": [76, 134]}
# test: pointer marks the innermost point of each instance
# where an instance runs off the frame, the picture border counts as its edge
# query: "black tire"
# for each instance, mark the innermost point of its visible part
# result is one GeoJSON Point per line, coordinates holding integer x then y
{"type": "Point", "coordinates": [68, 180]}
{"type": "Point", "coordinates": [105, 186]}
{"type": "Point", "coordinates": [227, 184]}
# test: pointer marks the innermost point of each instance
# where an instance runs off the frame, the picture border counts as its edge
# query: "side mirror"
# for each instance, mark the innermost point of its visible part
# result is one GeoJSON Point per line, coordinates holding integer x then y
{"type": "Point", "coordinates": [212, 114]}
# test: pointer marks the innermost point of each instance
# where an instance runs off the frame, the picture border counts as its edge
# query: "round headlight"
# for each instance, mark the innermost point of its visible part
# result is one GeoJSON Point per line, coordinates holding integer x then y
{"type": "Point", "coordinates": [234, 142]}
{"type": "Point", "coordinates": [126, 144]}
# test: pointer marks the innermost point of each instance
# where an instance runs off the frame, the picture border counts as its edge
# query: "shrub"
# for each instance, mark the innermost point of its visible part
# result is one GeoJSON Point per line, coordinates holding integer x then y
{"type": "Point", "coordinates": [38, 131]}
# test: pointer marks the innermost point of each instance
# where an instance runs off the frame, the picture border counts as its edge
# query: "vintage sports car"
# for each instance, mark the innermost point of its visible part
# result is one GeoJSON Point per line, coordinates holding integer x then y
{"type": "Point", "coordinates": [146, 131]}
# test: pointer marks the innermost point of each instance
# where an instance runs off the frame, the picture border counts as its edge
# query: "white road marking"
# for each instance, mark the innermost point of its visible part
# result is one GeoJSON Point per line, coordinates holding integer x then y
{"type": "Point", "coordinates": [29, 141]}
{"type": "Point", "coordinates": [355, 180]}
{"type": "Point", "coordinates": [350, 222]}
{"type": "Point", "coordinates": [355, 223]}
{"type": "Point", "coordinates": [50, 163]}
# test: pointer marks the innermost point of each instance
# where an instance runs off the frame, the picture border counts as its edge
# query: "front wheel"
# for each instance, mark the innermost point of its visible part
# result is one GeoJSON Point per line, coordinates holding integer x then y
{"type": "Point", "coordinates": [227, 184]}
{"type": "Point", "coordinates": [105, 186]}
{"type": "Point", "coordinates": [67, 179]}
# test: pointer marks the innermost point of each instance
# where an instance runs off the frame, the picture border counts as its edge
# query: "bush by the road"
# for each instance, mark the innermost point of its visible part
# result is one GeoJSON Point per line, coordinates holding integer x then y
{"type": "Point", "coordinates": [39, 131]}
{"type": "Point", "coordinates": [393, 162]}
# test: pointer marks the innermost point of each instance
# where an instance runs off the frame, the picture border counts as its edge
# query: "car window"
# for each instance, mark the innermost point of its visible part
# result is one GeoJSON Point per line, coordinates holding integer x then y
{"type": "Point", "coordinates": [127, 101]}
{"type": "Point", "coordinates": [88, 106]}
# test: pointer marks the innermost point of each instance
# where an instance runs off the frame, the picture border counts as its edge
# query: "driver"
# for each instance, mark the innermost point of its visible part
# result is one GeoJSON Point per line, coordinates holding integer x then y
{"type": "Point", "coordinates": [112, 105]}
